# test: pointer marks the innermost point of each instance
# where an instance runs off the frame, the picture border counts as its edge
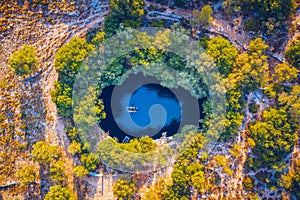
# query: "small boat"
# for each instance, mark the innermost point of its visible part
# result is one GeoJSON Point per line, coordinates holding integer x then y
{"type": "Point", "coordinates": [132, 109]}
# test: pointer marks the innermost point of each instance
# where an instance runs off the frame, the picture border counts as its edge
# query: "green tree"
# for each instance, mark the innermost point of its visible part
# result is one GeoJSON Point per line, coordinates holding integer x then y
{"type": "Point", "coordinates": [85, 113]}
{"type": "Point", "coordinates": [81, 171]}
{"type": "Point", "coordinates": [23, 61]}
{"type": "Point", "coordinates": [124, 189]}
{"type": "Point", "coordinates": [139, 145]}
{"type": "Point", "coordinates": [223, 52]}
{"type": "Point", "coordinates": [26, 175]}
{"type": "Point", "coordinates": [68, 61]}
{"type": "Point", "coordinates": [278, 9]}
{"type": "Point", "coordinates": [99, 38]}
{"type": "Point", "coordinates": [62, 97]}
{"type": "Point", "coordinates": [293, 54]}
{"type": "Point", "coordinates": [231, 6]}
{"type": "Point", "coordinates": [69, 58]}
{"type": "Point", "coordinates": [187, 171]}
{"type": "Point", "coordinates": [58, 192]}
{"type": "Point", "coordinates": [128, 8]}
{"type": "Point", "coordinates": [111, 25]}
{"type": "Point", "coordinates": [205, 15]}
{"type": "Point", "coordinates": [57, 171]}
{"type": "Point", "coordinates": [290, 102]}
{"type": "Point", "coordinates": [158, 23]}
{"type": "Point", "coordinates": [274, 136]}
{"type": "Point", "coordinates": [44, 153]}
{"type": "Point", "coordinates": [128, 12]}
{"type": "Point", "coordinates": [90, 161]}
{"type": "Point", "coordinates": [251, 70]}
{"type": "Point", "coordinates": [284, 73]}
{"type": "Point", "coordinates": [75, 147]}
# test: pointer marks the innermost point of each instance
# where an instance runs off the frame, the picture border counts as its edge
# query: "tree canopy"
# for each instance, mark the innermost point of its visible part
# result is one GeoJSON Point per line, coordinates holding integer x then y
{"type": "Point", "coordinates": [23, 61]}
{"type": "Point", "coordinates": [57, 171]}
{"type": "Point", "coordinates": [81, 171]}
{"type": "Point", "coordinates": [26, 175]}
{"type": "Point", "coordinates": [293, 54]}
{"type": "Point", "coordinates": [75, 147]}
{"type": "Point", "coordinates": [128, 12]}
{"type": "Point", "coordinates": [202, 17]}
{"type": "Point", "coordinates": [58, 192]}
{"type": "Point", "coordinates": [278, 9]}
{"type": "Point", "coordinates": [251, 70]}
{"type": "Point", "coordinates": [90, 161]}
{"type": "Point", "coordinates": [274, 136]}
{"type": "Point", "coordinates": [44, 153]}
{"type": "Point", "coordinates": [124, 189]}
{"type": "Point", "coordinates": [68, 61]}
{"type": "Point", "coordinates": [223, 52]}
{"type": "Point", "coordinates": [139, 145]}
{"type": "Point", "coordinates": [284, 73]}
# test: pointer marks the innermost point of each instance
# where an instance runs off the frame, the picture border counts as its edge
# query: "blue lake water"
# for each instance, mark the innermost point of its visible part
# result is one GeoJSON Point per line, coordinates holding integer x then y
{"type": "Point", "coordinates": [147, 96]}
{"type": "Point", "coordinates": [158, 109]}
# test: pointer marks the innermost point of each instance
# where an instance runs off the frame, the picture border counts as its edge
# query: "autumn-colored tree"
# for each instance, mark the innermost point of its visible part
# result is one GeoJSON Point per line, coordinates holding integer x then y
{"type": "Point", "coordinates": [98, 38]}
{"type": "Point", "coordinates": [62, 96]}
{"type": "Point", "coordinates": [247, 183]}
{"type": "Point", "coordinates": [159, 190]}
{"type": "Point", "coordinates": [286, 181]}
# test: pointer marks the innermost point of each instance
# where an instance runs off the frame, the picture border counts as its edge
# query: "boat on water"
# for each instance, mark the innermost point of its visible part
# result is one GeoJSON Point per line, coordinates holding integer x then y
{"type": "Point", "coordinates": [132, 109]}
